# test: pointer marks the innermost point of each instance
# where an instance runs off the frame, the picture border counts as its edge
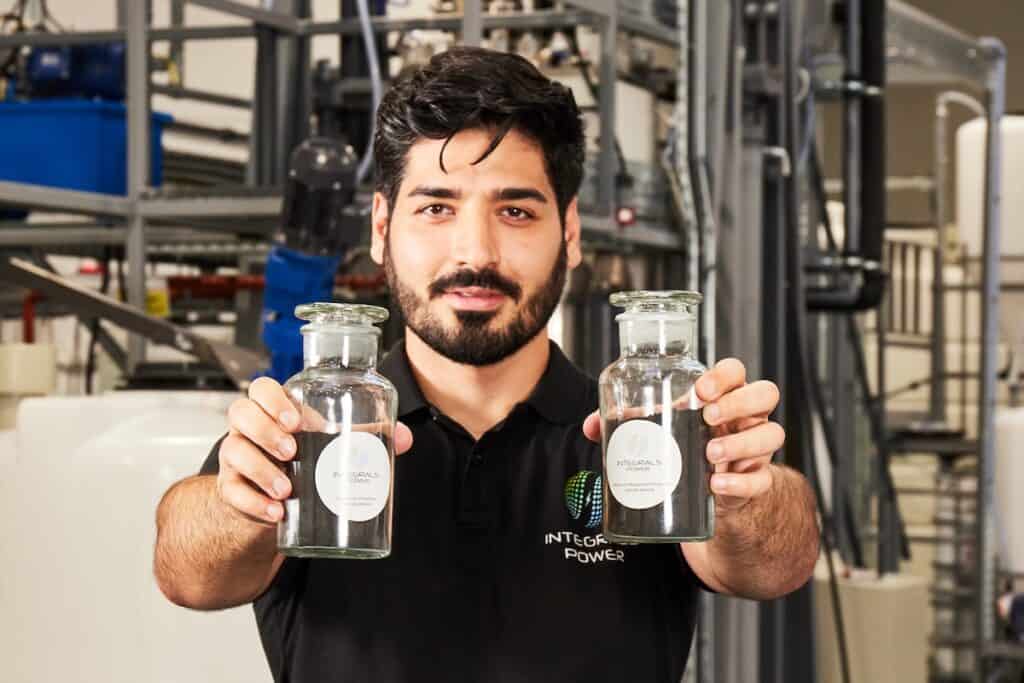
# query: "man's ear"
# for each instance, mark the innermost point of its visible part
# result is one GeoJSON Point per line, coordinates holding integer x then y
{"type": "Point", "coordinates": [574, 252]}
{"type": "Point", "coordinates": [378, 227]}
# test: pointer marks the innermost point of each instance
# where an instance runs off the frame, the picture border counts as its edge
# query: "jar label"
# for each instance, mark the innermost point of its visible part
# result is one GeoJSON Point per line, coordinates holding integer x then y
{"type": "Point", "coordinates": [353, 476]}
{"type": "Point", "coordinates": [643, 464]}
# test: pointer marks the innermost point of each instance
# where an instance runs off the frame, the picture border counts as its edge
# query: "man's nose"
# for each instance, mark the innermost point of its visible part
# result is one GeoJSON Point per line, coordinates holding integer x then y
{"type": "Point", "coordinates": [474, 243]}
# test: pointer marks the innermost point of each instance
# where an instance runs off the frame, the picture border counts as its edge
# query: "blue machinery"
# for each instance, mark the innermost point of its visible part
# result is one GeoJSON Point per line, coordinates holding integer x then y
{"type": "Point", "coordinates": [313, 237]}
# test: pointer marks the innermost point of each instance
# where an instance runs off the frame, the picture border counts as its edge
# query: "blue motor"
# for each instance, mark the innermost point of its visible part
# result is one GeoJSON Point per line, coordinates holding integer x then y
{"type": "Point", "coordinates": [76, 71]}
{"type": "Point", "coordinates": [317, 228]}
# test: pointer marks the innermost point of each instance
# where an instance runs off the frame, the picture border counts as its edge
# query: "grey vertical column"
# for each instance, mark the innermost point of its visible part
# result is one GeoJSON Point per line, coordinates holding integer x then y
{"type": "Point", "coordinates": [472, 22]}
{"type": "Point", "coordinates": [178, 45]}
{"type": "Point", "coordinates": [937, 396]}
{"type": "Point", "coordinates": [294, 90]}
{"type": "Point", "coordinates": [698, 91]}
{"type": "Point", "coordinates": [852, 134]}
{"type": "Point", "coordinates": [609, 75]}
{"type": "Point", "coordinates": [937, 391]}
{"type": "Point", "coordinates": [137, 58]}
{"type": "Point", "coordinates": [985, 625]}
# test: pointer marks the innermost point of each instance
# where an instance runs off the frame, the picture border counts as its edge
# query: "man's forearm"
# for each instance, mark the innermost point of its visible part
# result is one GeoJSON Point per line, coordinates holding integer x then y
{"type": "Point", "coordinates": [768, 547]}
{"type": "Point", "coordinates": [208, 556]}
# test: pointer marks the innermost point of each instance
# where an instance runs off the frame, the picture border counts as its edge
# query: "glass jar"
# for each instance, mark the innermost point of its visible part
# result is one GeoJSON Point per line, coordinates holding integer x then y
{"type": "Point", "coordinates": [654, 439]}
{"type": "Point", "coordinates": [343, 471]}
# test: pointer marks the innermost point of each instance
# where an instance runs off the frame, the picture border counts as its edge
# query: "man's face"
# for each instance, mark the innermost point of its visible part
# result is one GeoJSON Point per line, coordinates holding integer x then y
{"type": "Point", "coordinates": [476, 257]}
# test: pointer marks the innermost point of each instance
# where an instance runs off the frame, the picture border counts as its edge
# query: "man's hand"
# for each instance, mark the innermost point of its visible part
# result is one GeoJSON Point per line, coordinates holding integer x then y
{"type": "Point", "coordinates": [260, 437]}
{"type": "Point", "coordinates": [743, 438]}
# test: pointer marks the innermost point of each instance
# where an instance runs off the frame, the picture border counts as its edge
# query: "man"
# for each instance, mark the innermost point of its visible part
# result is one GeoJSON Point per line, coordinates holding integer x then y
{"type": "Point", "coordinates": [478, 162]}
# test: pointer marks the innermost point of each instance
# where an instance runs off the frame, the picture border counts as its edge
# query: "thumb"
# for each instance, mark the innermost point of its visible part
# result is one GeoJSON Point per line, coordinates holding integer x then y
{"type": "Point", "coordinates": [592, 427]}
{"type": "Point", "coordinates": [403, 438]}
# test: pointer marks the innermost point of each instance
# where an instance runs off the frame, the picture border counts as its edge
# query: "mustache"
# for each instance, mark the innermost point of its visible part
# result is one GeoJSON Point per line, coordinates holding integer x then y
{"type": "Point", "coordinates": [486, 279]}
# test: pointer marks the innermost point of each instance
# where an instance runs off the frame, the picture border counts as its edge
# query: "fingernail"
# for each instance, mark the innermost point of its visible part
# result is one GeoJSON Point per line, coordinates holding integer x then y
{"type": "Point", "coordinates": [281, 487]}
{"type": "Point", "coordinates": [721, 484]}
{"type": "Point", "coordinates": [710, 388]}
{"type": "Point", "coordinates": [286, 445]}
{"type": "Point", "coordinates": [273, 511]}
{"type": "Point", "coordinates": [712, 413]}
{"type": "Point", "coordinates": [289, 418]}
{"type": "Point", "coordinates": [715, 451]}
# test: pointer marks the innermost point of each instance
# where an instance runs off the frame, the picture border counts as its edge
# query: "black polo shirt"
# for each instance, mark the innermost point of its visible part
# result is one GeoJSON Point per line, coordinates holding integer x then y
{"type": "Point", "coordinates": [491, 579]}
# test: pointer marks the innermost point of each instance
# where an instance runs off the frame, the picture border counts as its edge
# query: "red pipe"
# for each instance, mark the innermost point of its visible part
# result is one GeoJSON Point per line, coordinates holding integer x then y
{"type": "Point", "coordinates": [225, 286]}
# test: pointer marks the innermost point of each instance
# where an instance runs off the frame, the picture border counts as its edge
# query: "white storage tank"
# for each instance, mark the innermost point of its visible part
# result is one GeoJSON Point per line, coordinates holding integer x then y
{"type": "Point", "coordinates": [1008, 478]}
{"type": "Point", "coordinates": [970, 203]}
{"type": "Point", "coordinates": [970, 184]}
{"type": "Point", "coordinates": [77, 535]}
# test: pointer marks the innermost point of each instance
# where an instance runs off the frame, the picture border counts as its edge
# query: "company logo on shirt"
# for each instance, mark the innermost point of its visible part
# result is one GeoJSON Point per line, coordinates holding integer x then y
{"type": "Point", "coordinates": [584, 499]}
{"type": "Point", "coordinates": [585, 549]}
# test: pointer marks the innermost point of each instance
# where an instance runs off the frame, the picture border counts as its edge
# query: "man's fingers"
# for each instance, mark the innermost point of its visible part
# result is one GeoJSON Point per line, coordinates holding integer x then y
{"type": "Point", "coordinates": [274, 400]}
{"type": "Point", "coordinates": [592, 426]}
{"type": "Point", "coordinates": [237, 493]}
{"type": "Point", "coordinates": [403, 438]}
{"type": "Point", "coordinates": [248, 419]}
{"type": "Point", "coordinates": [761, 440]}
{"type": "Point", "coordinates": [752, 400]}
{"type": "Point", "coordinates": [742, 485]}
{"type": "Point", "coordinates": [242, 456]}
{"type": "Point", "coordinates": [728, 374]}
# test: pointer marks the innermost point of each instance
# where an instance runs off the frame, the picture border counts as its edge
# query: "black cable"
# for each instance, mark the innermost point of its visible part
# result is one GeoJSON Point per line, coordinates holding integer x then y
{"type": "Point", "coordinates": [877, 431]}
{"type": "Point", "coordinates": [796, 293]}
{"type": "Point", "coordinates": [831, 445]}
{"type": "Point", "coordinates": [817, 181]}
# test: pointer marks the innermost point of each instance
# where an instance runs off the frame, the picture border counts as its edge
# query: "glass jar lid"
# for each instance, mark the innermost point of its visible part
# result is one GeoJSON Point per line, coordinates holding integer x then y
{"type": "Point", "coordinates": [351, 314]}
{"type": "Point", "coordinates": [651, 301]}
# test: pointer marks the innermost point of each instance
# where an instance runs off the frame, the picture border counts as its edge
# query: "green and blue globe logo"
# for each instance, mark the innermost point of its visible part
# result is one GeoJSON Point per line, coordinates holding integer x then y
{"type": "Point", "coordinates": [583, 497]}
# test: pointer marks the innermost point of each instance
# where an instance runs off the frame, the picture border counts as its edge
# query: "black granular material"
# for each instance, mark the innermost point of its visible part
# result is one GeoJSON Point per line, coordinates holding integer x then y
{"type": "Point", "coordinates": [319, 530]}
{"type": "Point", "coordinates": [688, 513]}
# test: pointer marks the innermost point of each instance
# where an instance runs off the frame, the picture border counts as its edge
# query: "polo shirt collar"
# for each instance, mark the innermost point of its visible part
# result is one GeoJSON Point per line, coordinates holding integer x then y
{"type": "Point", "coordinates": [558, 396]}
{"type": "Point", "coordinates": [395, 366]}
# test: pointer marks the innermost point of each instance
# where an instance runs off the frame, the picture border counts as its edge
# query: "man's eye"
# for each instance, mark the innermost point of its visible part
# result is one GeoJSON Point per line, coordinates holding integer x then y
{"type": "Point", "coordinates": [435, 210]}
{"type": "Point", "coordinates": [515, 213]}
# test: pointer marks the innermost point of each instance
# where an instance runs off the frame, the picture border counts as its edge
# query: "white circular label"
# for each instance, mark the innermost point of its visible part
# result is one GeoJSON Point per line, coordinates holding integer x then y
{"type": "Point", "coordinates": [643, 464]}
{"type": "Point", "coordinates": [353, 476]}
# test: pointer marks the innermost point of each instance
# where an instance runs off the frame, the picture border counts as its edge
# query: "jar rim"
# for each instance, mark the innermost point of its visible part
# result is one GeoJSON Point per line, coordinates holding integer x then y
{"type": "Point", "coordinates": [323, 311]}
{"type": "Point", "coordinates": [641, 297]}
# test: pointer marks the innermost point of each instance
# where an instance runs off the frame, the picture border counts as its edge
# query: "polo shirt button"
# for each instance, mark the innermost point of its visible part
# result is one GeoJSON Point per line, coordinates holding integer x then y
{"type": "Point", "coordinates": [477, 458]}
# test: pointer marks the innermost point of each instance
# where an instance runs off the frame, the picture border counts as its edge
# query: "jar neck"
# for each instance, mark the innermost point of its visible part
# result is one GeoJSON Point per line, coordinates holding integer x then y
{"type": "Point", "coordinates": [340, 346]}
{"type": "Point", "coordinates": [657, 335]}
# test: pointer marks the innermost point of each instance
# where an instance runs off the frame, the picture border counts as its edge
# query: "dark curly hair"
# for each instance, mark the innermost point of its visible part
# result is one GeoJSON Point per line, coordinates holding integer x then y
{"type": "Point", "coordinates": [469, 87]}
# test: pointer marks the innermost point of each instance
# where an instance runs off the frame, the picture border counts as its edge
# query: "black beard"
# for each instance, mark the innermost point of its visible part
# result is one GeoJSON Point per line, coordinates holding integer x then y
{"type": "Point", "coordinates": [474, 343]}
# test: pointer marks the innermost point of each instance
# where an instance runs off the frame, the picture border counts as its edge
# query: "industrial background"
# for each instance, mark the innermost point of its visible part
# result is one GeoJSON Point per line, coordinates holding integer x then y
{"type": "Point", "coordinates": [828, 173]}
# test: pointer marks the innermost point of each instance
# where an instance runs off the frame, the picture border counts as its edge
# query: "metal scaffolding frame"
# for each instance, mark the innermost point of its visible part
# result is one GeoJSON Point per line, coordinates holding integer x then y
{"type": "Point", "coordinates": [922, 50]}
{"type": "Point", "coordinates": [142, 206]}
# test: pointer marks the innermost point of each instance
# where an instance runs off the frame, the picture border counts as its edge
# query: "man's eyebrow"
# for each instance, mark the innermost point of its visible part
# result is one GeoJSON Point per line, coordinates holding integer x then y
{"type": "Point", "coordinates": [435, 192]}
{"type": "Point", "coordinates": [511, 194]}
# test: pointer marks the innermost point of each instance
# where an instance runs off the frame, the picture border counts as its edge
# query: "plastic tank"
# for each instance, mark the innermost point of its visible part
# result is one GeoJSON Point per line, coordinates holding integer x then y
{"type": "Point", "coordinates": [1009, 476]}
{"type": "Point", "coordinates": [77, 535]}
{"type": "Point", "coordinates": [970, 183]}
{"type": "Point", "coordinates": [970, 201]}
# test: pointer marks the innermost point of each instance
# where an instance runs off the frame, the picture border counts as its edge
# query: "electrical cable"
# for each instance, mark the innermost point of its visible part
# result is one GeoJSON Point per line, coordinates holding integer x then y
{"type": "Point", "coordinates": [48, 16]}
{"type": "Point", "coordinates": [11, 22]}
{"type": "Point", "coordinates": [796, 293]}
{"type": "Point", "coordinates": [874, 421]}
{"type": "Point", "coordinates": [376, 84]}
